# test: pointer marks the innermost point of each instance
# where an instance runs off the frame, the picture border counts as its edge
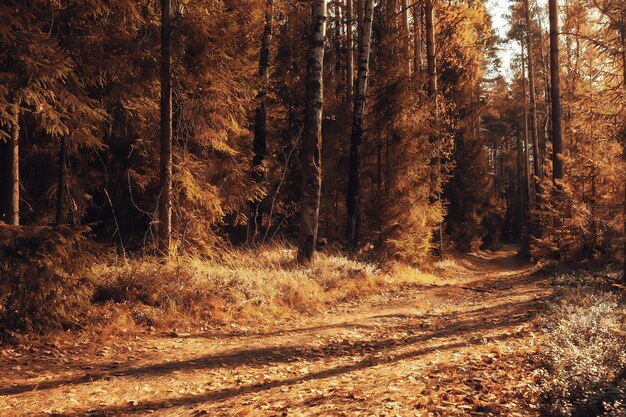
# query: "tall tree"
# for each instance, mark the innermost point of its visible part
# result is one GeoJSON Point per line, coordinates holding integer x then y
{"type": "Point", "coordinates": [533, 101]}
{"type": "Point", "coordinates": [354, 175]}
{"type": "Point", "coordinates": [165, 198]}
{"type": "Point", "coordinates": [349, 51]}
{"type": "Point", "coordinates": [622, 35]}
{"type": "Point", "coordinates": [61, 183]}
{"type": "Point", "coordinates": [310, 156]}
{"type": "Point", "coordinates": [430, 48]}
{"type": "Point", "coordinates": [417, 40]}
{"type": "Point", "coordinates": [259, 146]}
{"type": "Point", "coordinates": [11, 170]}
{"type": "Point", "coordinates": [405, 37]}
{"type": "Point", "coordinates": [431, 65]}
{"type": "Point", "coordinates": [555, 93]}
{"type": "Point", "coordinates": [522, 158]}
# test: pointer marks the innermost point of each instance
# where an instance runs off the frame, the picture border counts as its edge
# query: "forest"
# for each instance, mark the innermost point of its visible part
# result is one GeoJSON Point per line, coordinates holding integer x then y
{"type": "Point", "coordinates": [313, 207]}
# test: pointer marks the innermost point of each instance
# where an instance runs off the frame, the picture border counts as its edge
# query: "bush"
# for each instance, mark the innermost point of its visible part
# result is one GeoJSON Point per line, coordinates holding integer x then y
{"type": "Point", "coordinates": [42, 277]}
{"type": "Point", "coordinates": [584, 357]}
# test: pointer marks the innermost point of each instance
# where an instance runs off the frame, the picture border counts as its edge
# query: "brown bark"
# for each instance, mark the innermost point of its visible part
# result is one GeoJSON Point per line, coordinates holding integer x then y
{"type": "Point", "coordinates": [417, 41]}
{"type": "Point", "coordinates": [533, 104]}
{"type": "Point", "coordinates": [312, 136]}
{"type": "Point", "coordinates": [354, 175]}
{"type": "Point", "coordinates": [11, 173]}
{"type": "Point", "coordinates": [623, 38]}
{"type": "Point", "coordinates": [349, 51]}
{"type": "Point", "coordinates": [405, 38]}
{"type": "Point", "coordinates": [61, 185]}
{"type": "Point", "coordinates": [523, 158]}
{"type": "Point", "coordinates": [259, 145]}
{"type": "Point", "coordinates": [430, 48]}
{"type": "Point", "coordinates": [555, 94]}
{"type": "Point", "coordinates": [165, 199]}
{"type": "Point", "coordinates": [431, 68]}
{"type": "Point", "coordinates": [338, 53]}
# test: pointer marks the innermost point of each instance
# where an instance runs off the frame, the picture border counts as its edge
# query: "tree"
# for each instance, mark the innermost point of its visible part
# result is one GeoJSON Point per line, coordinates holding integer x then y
{"type": "Point", "coordinates": [349, 51]}
{"type": "Point", "coordinates": [533, 102]}
{"type": "Point", "coordinates": [260, 121]}
{"type": "Point", "coordinates": [165, 197]}
{"type": "Point", "coordinates": [310, 155]}
{"type": "Point", "coordinates": [11, 170]}
{"type": "Point", "coordinates": [555, 94]}
{"type": "Point", "coordinates": [61, 185]}
{"type": "Point", "coordinates": [354, 175]}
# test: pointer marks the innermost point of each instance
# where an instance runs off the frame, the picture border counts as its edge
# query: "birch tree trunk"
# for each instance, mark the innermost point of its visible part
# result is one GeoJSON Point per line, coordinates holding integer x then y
{"type": "Point", "coordinates": [310, 156]}
{"type": "Point", "coordinates": [354, 174]}
{"type": "Point", "coordinates": [555, 93]}
{"type": "Point", "coordinates": [165, 199]}
{"type": "Point", "coordinates": [259, 146]}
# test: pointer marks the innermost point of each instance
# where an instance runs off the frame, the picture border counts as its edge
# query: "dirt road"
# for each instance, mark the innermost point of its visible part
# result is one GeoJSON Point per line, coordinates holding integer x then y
{"type": "Point", "coordinates": [456, 349]}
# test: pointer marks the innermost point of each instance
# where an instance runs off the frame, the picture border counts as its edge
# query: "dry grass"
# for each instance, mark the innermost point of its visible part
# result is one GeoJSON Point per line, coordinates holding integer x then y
{"type": "Point", "coordinates": [238, 285]}
{"type": "Point", "coordinates": [583, 359]}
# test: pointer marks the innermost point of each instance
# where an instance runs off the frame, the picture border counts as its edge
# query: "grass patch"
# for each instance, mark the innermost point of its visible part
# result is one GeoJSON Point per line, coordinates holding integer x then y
{"type": "Point", "coordinates": [236, 285]}
{"type": "Point", "coordinates": [583, 356]}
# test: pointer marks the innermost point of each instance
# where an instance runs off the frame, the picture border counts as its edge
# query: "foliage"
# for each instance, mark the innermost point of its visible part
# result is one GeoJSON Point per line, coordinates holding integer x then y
{"type": "Point", "coordinates": [42, 277]}
{"type": "Point", "coordinates": [583, 358]}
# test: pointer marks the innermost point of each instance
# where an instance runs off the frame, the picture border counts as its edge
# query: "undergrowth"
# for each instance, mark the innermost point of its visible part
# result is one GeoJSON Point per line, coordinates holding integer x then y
{"type": "Point", "coordinates": [43, 284]}
{"type": "Point", "coordinates": [583, 357]}
{"type": "Point", "coordinates": [61, 287]}
{"type": "Point", "coordinates": [238, 284]}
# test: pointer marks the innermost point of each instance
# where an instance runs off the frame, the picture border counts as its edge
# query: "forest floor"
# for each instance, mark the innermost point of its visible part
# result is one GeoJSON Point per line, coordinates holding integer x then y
{"type": "Point", "coordinates": [460, 348]}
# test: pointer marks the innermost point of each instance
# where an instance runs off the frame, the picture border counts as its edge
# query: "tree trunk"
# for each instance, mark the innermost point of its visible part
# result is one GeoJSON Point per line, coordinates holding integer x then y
{"type": "Point", "coordinates": [349, 52]}
{"type": "Point", "coordinates": [310, 156]}
{"type": "Point", "coordinates": [431, 65]}
{"type": "Point", "coordinates": [165, 199]}
{"type": "Point", "coordinates": [533, 104]}
{"type": "Point", "coordinates": [61, 186]}
{"type": "Point", "coordinates": [259, 146]}
{"type": "Point", "coordinates": [430, 48]}
{"type": "Point", "coordinates": [354, 180]}
{"type": "Point", "coordinates": [11, 173]}
{"type": "Point", "coordinates": [555, 93]}
{"type": "Point", "coordinates": [405, 38]}
{"type": "Point", "coordinates": [417, 41]}
{"type": "Point", "coordinates": [522, 159]}
{"type": "Point", "coordinates": [623, 38]}
{"type": "Point", "coordinates": [338, 53]}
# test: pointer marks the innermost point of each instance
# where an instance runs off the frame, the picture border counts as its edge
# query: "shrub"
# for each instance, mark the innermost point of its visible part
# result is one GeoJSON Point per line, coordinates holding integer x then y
{"type": "Point", "coordinates": [583, 358]}
{"type": "Point", "coordinates": [42, 277]}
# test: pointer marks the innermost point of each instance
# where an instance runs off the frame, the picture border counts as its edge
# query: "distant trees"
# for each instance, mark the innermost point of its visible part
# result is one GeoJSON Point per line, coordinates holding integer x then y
{"type": "Point", "coordinates": [436, 150]}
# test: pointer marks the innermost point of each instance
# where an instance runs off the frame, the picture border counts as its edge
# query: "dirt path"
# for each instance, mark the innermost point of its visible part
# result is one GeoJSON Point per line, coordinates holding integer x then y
{"type": "Point", "coordinates": [458, 349]}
